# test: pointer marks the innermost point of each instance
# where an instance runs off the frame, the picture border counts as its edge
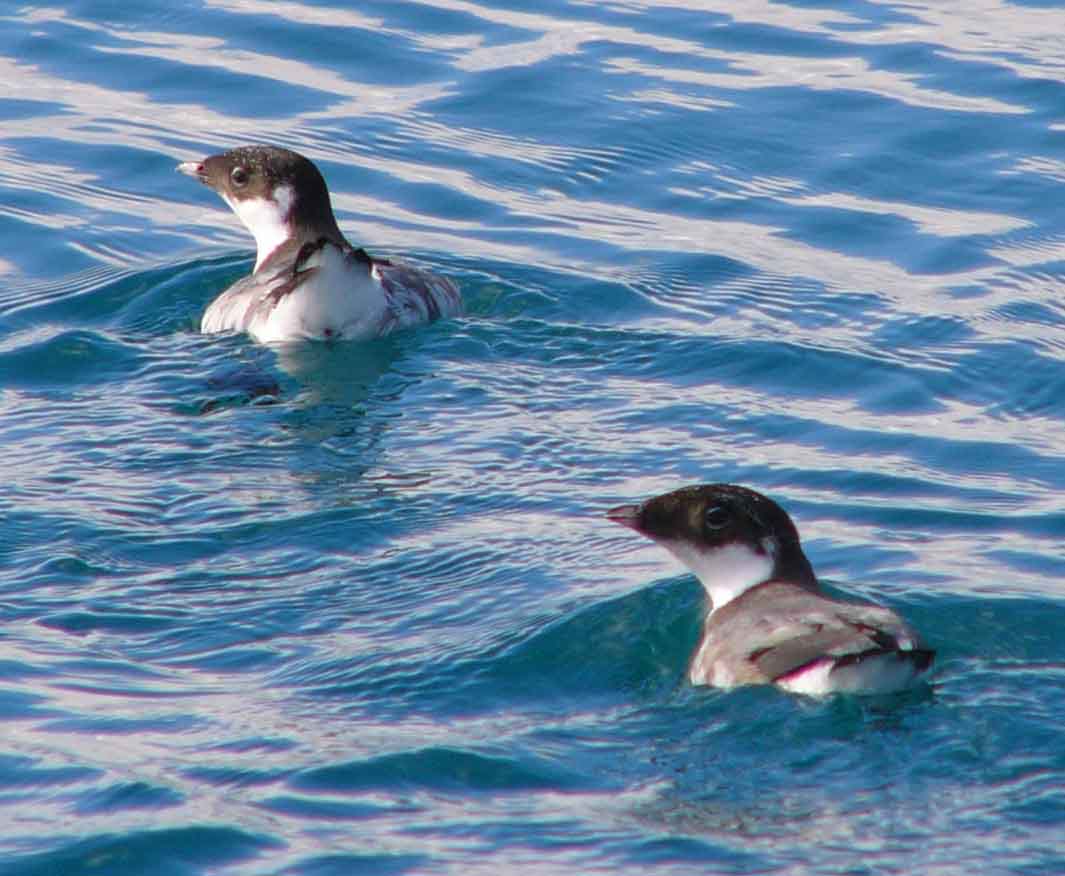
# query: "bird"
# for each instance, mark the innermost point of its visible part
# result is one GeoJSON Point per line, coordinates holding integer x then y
{"type": "Point", "coordinates": [769, 621]}
{"type": "Point", "coordinates": [308, 281]}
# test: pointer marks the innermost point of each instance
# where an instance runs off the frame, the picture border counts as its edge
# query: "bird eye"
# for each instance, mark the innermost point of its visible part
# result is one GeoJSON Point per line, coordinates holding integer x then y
{"type": "Point", "coordinates": [716, 517]}
{"type": "Point", "coordinates": [239, 176]}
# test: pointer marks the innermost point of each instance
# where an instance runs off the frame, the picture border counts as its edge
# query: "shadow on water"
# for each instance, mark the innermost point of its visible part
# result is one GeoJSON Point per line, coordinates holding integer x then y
{"type": "Point", "coordinates": [341, 375]}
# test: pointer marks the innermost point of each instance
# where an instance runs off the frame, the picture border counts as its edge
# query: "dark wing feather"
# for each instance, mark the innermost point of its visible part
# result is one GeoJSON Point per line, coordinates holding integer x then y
{"type": "Point", "coordinates": [415, 295]}
{"type": "Point", "coordinates": [841, 642]}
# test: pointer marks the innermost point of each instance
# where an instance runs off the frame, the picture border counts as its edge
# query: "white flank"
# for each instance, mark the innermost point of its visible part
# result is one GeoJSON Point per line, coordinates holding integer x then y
{"type": "Point", "coordinates": [265, 219]}
{"type": "Point", "coordinates": [884, 673]}
{"type": "Point", "coordinates": [725, 572]}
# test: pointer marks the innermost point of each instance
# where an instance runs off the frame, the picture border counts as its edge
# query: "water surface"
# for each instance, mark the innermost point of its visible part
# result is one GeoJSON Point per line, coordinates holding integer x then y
{"type": "Point", "coordinates": [354, 608]}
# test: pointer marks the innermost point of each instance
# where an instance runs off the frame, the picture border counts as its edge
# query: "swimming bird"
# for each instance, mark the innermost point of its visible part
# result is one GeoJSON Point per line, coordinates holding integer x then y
{"type": "Point", "coordinates": [769, 621]}
{"type": "Point", "coordinates": [308, 281]}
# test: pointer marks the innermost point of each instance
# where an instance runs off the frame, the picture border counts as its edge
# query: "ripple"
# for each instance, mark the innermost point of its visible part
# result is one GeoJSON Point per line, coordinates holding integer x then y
{"type": "Point", "coordinates": [142, 851]}
{"type": "Point", "coordinates": [431, 768]}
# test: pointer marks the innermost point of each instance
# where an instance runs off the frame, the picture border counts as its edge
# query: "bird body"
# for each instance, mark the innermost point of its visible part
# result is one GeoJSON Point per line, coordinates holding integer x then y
{"type": "Point", "coordinates": [769, 621]}
{"type": "Point", "coordinates": [308, 281]}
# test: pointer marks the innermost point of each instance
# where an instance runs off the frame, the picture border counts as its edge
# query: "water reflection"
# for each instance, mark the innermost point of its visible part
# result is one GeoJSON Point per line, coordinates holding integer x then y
{"type": "Point", "coordinates": [341, 374]}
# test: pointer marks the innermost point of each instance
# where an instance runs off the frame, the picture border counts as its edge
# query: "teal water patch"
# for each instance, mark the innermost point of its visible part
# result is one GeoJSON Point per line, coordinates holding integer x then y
{"type": "Point", "coordinates": [177, 851]}
{"type": "Point", "coordinates": [434, 769]}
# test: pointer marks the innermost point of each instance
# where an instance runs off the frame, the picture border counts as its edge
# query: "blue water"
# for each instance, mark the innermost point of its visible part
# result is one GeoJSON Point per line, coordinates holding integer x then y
{"type": "Point", "coordinates": [354, 609]}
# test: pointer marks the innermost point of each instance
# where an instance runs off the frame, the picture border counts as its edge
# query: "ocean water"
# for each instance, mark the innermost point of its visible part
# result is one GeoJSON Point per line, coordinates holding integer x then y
{"type": "Point", "coordinates": [354, 608]}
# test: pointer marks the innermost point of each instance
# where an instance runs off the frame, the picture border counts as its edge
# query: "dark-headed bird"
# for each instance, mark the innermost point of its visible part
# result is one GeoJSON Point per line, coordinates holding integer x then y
{"type": "Point", "coordinates": [769, 621]}
{"type": "Point", "coordinates": [308, 281]}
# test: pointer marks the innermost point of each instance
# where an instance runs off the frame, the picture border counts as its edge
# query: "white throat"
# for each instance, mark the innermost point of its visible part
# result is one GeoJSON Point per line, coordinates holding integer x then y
{"type": "Point", "coordinates": [265, 219]}
{"type": "Point", "coordinates": [727, 571]}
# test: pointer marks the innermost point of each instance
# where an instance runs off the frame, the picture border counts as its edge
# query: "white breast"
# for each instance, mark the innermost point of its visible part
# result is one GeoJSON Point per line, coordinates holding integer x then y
{"type": "Point", "coordinates": [340, 300]}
